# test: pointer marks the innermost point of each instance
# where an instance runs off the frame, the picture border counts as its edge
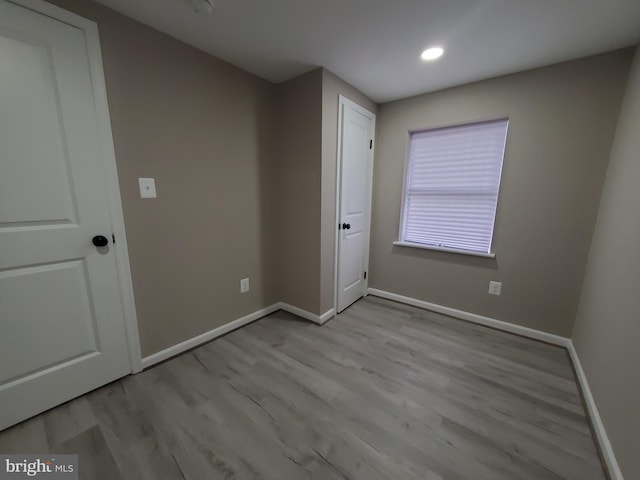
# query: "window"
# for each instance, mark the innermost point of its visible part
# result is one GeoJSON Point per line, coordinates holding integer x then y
{"type": "Point", "coordinates": [451, 189]}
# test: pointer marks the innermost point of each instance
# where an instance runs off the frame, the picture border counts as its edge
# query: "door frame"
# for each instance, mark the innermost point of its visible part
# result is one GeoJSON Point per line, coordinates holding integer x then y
{"type": "Point", "coordinates": [342, 103]}
{"type": "Point", "coordinates": [107, 153]}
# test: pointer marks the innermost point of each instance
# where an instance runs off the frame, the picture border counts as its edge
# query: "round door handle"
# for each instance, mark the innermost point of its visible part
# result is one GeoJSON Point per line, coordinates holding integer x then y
{"type": "Point", "coordinates": [346, 226]}
{"type": "Point", "coordinates": [100, 241]}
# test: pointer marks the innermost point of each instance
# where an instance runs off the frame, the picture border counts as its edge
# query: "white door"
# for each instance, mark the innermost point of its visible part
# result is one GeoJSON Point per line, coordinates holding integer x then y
{"type": "Point", "coordinates": [357, 127]}
{"type": "Point", "coordinates": [62, 330]}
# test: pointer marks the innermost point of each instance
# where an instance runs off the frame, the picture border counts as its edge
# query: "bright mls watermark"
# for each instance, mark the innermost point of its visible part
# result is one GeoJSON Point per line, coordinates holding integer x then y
{"type": "Point", "coordinates": [50, 466]}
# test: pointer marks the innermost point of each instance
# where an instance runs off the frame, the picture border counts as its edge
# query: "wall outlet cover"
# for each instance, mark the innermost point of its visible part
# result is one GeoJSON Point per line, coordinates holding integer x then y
{"type": "Point", "coordinates": [244, 285]}
{"type": "Point", "coordinates": [147, 187]}
{"type": "Point", "coordinates": [495, 288]}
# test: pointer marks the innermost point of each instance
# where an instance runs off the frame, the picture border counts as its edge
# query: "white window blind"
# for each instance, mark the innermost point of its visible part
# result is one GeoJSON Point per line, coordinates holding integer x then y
{"type": "Point", "coordinates": [452, 184]}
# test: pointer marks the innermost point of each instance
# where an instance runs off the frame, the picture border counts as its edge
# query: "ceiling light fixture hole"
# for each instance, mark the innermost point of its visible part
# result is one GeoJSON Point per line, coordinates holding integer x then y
{"type": "Point", "coordinates": [203, 7]}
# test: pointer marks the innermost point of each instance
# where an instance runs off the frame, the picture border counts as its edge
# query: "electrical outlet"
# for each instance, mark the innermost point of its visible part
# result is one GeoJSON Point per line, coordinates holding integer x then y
{"type": "Point", "coordinates": [495, 288]}
{"type": "Point", "coordinates": [244, 285]}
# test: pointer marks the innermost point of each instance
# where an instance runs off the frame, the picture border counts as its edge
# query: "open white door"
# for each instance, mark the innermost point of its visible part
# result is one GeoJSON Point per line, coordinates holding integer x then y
{"type": "Point", "coordinates": [355, 170]}
{"type": "Point", "coordinates": [61, 309]}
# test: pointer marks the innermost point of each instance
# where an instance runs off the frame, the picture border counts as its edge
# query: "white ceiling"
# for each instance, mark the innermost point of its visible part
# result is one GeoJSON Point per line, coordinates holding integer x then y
{"type": "Point", "coordinates": [375, 44]}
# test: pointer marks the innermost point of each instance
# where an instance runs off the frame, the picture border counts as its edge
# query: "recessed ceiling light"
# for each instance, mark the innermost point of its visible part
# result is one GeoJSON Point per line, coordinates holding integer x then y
{"type": "Point", "coordinates": [432, 53]}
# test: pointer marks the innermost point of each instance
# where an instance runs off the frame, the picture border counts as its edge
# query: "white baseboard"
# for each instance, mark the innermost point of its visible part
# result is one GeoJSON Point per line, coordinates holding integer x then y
{"type": "Point", "coordinates": [319, 319]}
{"type": "Point", "coordinates": [472, 317]}
{"type": "Point", "coordinates": [207, 336]}
{"type": "Point", "coordinates": [596, 420]}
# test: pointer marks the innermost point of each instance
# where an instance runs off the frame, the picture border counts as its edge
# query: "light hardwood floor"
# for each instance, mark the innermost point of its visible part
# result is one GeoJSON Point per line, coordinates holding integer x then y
{"type": "Point", "coordinates": [384, 391]}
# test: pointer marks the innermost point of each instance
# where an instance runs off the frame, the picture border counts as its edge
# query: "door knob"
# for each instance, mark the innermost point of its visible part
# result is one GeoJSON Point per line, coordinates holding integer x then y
{"type": "Point", "coordinates": [346, 226]}
{"type": "Point", "coordinates": [100, 241]}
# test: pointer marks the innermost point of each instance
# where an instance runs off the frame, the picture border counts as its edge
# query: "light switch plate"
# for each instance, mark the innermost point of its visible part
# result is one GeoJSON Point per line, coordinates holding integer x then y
{"type": "Point", "coordinates": [147, 187]}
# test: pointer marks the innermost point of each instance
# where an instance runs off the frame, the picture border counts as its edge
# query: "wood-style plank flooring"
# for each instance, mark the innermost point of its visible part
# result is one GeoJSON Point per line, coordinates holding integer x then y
{"type": "Point", "coordinates": [384, 391]}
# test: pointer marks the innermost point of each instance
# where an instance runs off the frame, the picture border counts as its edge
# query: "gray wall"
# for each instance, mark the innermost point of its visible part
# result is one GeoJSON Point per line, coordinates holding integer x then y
{"type": "Point", "coordinates": [205, 130]}
{"type": "Point", "coordinates": [332, 88]}
{"type": "Point", "coordinates": [298, 167]}
{"type": "Point", "coordinates": [562, 121]}
{"type": "Point", "coordinates": [607, 328]}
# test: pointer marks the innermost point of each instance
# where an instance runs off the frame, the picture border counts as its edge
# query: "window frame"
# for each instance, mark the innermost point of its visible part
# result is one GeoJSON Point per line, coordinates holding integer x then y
{"type": "Point", "coordinates": [401, 224]}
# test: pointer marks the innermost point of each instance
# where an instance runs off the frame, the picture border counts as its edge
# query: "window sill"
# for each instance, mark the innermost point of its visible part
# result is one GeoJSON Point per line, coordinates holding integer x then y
{"type": "Point", "coordinates": [444, 249]}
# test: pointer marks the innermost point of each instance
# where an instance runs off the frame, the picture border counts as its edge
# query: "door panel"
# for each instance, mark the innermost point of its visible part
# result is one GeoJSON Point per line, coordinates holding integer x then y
{"type": "Point", "coordinates": [32, 190]}
{"type": "Point", "coordinates": [61, 315]}
{"type": "Point", "coordinates": [355, 200]}
{"type": "Point", "coordinates": [55, 319]}
{"type": "Point", "coordinates": [355, 166]}
{"type": "Point", "coordinates": [352, 267]}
